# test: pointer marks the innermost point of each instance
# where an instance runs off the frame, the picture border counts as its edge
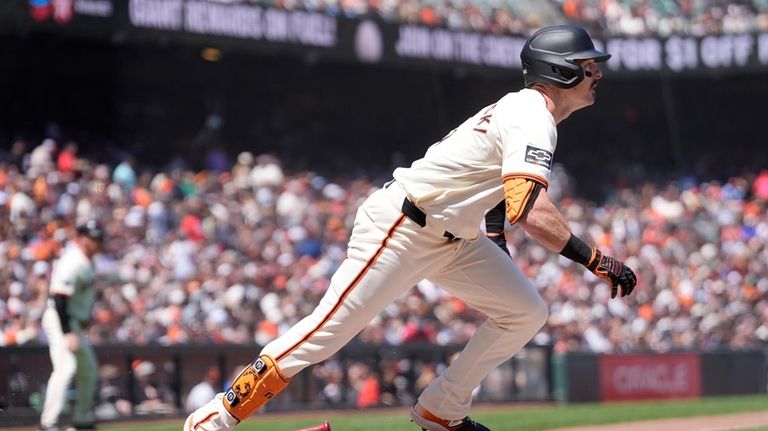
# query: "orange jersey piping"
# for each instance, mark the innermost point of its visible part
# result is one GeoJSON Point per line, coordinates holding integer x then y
{"type": "Point", "coordinates": [348, 289]}
{"type": "Point", "coordinates": [532, 177]}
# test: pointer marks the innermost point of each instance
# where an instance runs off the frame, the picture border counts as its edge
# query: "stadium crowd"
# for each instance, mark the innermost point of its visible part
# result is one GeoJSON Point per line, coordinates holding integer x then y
{"type": "Point", "coordinates": [666, 17]}
{"type": "Point", "coordinates": [603, 17]}
{"type": "Point", "coordinates": [239, 254]}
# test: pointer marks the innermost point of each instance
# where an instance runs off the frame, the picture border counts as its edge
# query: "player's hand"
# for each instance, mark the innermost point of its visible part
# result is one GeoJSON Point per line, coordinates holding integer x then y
{"type": "Point", "coordinates": [614, 272]}
{"type": "Point", "coordinates": [71, 341]}
{"type": "Point", "coordinates": [501, 240]}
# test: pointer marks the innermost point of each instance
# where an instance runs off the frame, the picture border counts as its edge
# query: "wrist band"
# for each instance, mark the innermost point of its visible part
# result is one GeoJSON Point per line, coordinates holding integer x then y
{"type": "Point", "coordinates": [577, 250]}
{"type": "Point", "coordinates": [494, 220]}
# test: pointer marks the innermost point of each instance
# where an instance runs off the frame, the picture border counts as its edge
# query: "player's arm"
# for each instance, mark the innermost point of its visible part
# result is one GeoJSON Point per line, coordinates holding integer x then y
{"type": "Point", "coordinates": [544, 222]}
{"type": "Point", "coordinates": [529, 205]}
{"type": "Point", "coordinates": [60, 301]}
{"type": "Point", "coordinates": [62, 287]}
{"type": "Point", "coordinates": [70, 338]}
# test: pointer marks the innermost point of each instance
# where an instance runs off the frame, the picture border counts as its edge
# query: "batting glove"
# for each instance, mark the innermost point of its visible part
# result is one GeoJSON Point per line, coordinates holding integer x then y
{"type": "Point", "coordinates": [614, 272]}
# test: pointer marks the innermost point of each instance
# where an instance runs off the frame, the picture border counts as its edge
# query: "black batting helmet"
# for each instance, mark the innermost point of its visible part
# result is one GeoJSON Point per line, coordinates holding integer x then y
{"type": "Point", "coordinates": [550, 55]}
{"type": "Point", "coordinates": [92, 230]}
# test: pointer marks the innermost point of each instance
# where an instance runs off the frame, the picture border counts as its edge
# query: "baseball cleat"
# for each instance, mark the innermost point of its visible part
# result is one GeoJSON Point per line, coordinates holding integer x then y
{"type": "Point", "coordinates": [82, 426]}
{"type": "Point", "coordinates": [429, 422]}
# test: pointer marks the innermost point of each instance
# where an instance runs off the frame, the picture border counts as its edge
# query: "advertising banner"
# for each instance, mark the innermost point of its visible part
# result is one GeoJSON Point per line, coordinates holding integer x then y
{"type": "Point", "coordinates": [65, 14]}
{"type": "Point", "coordinates": [366, 39]}
{"type": "Point", "coordinates": [649, 376]}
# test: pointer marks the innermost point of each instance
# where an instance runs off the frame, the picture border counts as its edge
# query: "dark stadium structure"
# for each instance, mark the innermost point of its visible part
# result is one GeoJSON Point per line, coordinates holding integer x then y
{"type": "Point", "coordinates": [162, 101]}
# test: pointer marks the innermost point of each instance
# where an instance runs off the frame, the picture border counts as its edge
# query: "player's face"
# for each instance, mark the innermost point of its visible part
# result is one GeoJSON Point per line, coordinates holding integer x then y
{"type": "Point", "coordinates": [90, 245]}
{"type": "Point", "coordinates": [586, 91]}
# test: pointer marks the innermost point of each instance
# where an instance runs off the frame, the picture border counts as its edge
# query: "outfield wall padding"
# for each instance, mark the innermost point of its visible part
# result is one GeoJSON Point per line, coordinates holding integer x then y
{"type": "Point", "coordinates": [733, 373]}
{"type": "Point", "coordinates": [588, 377]}
{"type": "Point", "coordinates": [575, 377]}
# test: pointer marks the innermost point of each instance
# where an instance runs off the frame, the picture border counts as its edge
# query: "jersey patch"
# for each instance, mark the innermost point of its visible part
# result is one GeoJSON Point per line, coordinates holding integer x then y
{"type": "Point", "coordinates": [537, 156]}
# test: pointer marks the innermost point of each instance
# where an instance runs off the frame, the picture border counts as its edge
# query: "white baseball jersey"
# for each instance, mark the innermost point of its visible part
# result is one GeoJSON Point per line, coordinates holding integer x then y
{"type": "Point", "coordinates": [460, 178]}
{"type": "Point", "coordinates": [72, 276]}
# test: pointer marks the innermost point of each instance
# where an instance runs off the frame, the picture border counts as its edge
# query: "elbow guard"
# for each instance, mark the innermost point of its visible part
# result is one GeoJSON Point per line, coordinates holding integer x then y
{"type": "Point", "coordinates": [519, 195]}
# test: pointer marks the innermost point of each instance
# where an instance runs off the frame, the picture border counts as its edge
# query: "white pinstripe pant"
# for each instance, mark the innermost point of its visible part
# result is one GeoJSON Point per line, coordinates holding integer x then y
{"type": "Point", "coordinates": [67, 365]}
{"type": "Point", "coordinates": [388, 254]}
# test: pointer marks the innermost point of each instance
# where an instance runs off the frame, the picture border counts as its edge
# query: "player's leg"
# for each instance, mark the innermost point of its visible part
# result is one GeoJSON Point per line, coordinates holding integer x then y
{"type": "Point", "coordinates": [253, 387]}
{"type": "Point", "coordinates": [86, 379]}
{"type": "Point", "coordinates": [386, 256]}
{"type": "Point", "coordinates": [64, 364]}
{"type": "Point", "coordinates": [485, 278]}
{"type": "Point", "coordinates": [341, 314]}
{"type": "Point", "coordinates": [358, 291]}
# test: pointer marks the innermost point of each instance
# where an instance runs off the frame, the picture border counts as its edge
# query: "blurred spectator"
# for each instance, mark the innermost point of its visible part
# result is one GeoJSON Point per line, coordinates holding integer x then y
{"type": "Point", "coordinates": [66, 162]}
{"type": "Point", "coordinates": [266, 172]}
{"type": "Point", "coordinates": [124, 174]}
{"type": "Point", "coordinates": [329, 377]}
{"type": "Point", "coordinates": [22, 208]}
{"type": "Point", "coordinates": [204, 391]}
{"type": "Point", "coordinates": [365, 385]}
{"type": "Point", "coordinates": [760, 186]}
{"type": "Point", "coordinates": [15, 156]}
{"type": "Point", "coordinates": [41, 159]}
{"type": "Point", "coordinates": [151, 392]}
{"type": "Point", "coordinates": [112, 405]}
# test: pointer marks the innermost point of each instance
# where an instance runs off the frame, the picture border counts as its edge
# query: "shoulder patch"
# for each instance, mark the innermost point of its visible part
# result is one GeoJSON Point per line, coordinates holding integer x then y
{"type": "Point", "coordinates": [537, 156]}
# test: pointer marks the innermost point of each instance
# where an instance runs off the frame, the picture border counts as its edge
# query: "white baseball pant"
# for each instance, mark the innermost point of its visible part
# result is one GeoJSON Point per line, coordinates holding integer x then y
{"type": "Point", "coordinates": [66, 365]}
{"type": "Point", "coordinates": [388, 254]}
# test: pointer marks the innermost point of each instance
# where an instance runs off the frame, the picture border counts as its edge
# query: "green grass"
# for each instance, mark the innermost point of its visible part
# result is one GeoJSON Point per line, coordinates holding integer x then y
{"type": "Point", "coordinates": [516, 418]}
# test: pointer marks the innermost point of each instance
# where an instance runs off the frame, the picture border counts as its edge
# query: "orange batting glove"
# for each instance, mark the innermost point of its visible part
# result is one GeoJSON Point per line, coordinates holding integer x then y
{"type": "Point", "coordinates": [614, 272]}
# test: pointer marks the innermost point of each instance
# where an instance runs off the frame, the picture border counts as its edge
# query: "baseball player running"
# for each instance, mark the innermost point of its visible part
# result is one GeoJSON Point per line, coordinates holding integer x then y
{"type": "Point", "coordinates": [69, 310]}
{"type": "Point", "coordinates": [426, 224]}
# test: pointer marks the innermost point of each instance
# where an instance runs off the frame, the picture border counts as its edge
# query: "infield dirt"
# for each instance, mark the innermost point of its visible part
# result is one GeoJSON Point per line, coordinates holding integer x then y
{"type": "Point", "coordinates": [697, 423]}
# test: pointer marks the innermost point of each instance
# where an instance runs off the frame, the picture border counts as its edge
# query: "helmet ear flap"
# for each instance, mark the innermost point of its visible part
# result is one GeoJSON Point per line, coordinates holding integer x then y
{"type": "Point", "coordinates": [565, 73]}
{"type": "Point", "coordinates": [572, 75]}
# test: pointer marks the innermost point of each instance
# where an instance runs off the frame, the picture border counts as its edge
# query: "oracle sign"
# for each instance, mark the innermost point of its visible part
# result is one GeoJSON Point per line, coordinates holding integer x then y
{"type": "Point", "coordinates": [635, 377]}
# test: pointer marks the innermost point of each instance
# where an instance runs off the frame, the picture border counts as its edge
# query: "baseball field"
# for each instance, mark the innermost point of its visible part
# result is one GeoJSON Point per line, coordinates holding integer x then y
{"type": "Point", "coordinates": [738, 412]}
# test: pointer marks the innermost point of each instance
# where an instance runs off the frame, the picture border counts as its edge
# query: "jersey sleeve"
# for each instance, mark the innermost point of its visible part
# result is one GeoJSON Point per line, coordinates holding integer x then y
{"type": "Point", "coordinates": [64, 277]}
{"type": "Point", "coordinates": [526, 154]}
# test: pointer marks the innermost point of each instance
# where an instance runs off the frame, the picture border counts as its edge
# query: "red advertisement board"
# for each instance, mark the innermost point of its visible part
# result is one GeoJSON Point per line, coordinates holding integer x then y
{"type": "Point", "coordinates": [649, 376]}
